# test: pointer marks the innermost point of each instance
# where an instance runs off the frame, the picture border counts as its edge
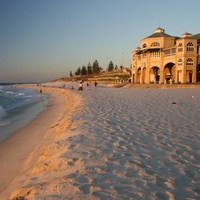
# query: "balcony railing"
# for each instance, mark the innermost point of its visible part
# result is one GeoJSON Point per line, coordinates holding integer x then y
{"type": "Point", "coordinates": [169, 52]}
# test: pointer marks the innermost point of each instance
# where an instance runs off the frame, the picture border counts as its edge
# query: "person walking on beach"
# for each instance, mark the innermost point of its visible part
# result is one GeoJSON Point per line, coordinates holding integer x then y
{"type": "Point", "coordinates": [80, 87]}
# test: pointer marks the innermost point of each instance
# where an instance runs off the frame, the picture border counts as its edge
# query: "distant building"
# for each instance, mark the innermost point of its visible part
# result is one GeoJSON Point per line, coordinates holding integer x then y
{"type": "Point", "coordinates": [163, 58]}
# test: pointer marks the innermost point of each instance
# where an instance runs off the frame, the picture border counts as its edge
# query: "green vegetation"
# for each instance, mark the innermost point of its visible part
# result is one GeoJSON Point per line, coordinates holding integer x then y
{"type": "Point", "coordinates": [103, 77]}
{"type": "Point", "coordinates": [94, 72]}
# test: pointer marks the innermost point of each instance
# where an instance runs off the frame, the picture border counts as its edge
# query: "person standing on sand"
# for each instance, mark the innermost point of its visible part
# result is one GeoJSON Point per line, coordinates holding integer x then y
{"type": "Point", "coordinates": [40, 91]}
{"type": "Point", "coordinates": [95, 84]}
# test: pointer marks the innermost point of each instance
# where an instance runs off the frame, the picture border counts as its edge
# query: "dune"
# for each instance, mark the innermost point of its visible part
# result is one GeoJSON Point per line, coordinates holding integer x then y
{"type": "Point", "coordinates": [117, 144]}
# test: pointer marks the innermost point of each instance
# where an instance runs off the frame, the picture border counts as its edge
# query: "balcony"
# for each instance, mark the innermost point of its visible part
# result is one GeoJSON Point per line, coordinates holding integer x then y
{"type": "Point", "coordinates": [169, 52]}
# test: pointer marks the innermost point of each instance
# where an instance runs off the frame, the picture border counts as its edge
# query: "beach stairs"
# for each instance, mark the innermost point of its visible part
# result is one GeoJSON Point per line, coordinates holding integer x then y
{"type": "Point", "coordinates": [159, 86]}
{"type": "Point", "coordinates": [138, 86]}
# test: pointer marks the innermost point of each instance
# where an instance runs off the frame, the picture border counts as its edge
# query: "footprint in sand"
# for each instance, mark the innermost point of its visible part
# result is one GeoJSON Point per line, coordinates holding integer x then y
{"type": "Point", "coordinates": [162, 196]}
{"type": "Point", "coordinates": [54, 125]}
{"type": "Point", "coordinates": [71, 162]}
{"type": "Point", "coordinates": [197, 190]}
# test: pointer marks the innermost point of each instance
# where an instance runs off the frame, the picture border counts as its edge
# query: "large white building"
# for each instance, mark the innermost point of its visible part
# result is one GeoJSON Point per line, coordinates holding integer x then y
{"type": "Point", "coordinates": [163, 58]}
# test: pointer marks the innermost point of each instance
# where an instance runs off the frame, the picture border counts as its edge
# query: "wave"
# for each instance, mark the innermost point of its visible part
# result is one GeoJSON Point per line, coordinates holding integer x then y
{"type": "Point", "coordinates": [14, 93]}
{"type": "Point", "coordinates": [4, 122]}
{"type": "Point", "coordinates": [3, 114]}
{"type": "Point", "coordinates": [9, 92]}
{"type": "Point", "coordinates": [20, 94]}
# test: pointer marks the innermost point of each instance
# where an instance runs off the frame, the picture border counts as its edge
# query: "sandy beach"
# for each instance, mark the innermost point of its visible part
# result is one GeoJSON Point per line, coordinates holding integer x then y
{"type": "Point", "coordinates": [19, 153]}
{"type": "Point", "coordinates": [107, 143]}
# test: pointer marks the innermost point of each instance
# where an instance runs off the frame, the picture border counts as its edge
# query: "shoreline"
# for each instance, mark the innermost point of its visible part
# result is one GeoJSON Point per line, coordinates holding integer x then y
{"type": "Point", "coordinates": [21, 151]}
{"type": "Point", "coordinates": [19, 117]}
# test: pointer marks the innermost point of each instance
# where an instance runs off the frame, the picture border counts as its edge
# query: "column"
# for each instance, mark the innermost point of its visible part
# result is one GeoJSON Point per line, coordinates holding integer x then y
{"type": "Point", "coordinates": [161, 81]}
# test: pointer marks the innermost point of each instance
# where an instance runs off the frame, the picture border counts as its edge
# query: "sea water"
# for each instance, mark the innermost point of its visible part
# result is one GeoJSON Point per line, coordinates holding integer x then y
{"type": "Point", "coordinates": [18, 107]}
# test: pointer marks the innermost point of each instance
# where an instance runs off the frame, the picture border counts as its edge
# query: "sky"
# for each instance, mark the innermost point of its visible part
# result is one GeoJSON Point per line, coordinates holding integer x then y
{"type": "Point", "coordinates": [43, 40]}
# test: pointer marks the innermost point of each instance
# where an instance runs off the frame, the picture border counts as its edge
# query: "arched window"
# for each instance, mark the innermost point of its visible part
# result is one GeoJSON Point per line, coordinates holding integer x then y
{"type": "Point", "coordinates": [190, 46]}
{"type": "Point", "coordinates": [144, 45]}
{"type": "Point", "coordinates": [189, 61]}
{"type": "Point", "coordinates": [179, 62]}
{"type": "Point", "coordinates": [155, 44]}
{"type": "Point", "coordinates": [180, 47]}
{"type": "Point", "coordinates": [139, 70]}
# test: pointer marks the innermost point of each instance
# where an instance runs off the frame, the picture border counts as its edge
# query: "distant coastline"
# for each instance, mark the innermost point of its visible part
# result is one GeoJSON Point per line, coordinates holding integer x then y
{"type": "Point", "coordinates": [16, 83]}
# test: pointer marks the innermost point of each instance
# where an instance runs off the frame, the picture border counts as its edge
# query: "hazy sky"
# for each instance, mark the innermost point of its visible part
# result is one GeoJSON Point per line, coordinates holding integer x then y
{"type": "Point", "coordinates": [41, 40]}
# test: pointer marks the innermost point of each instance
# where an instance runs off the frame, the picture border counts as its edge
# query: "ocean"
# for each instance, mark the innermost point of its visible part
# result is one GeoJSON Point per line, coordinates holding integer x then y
{"type": "Point", "coordinates": [18, 107]}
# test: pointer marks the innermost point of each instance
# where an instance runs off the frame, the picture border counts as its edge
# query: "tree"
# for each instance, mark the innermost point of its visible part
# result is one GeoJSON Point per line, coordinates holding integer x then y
{"type": "Point", "coordinates": [83, 70]}
{"type": "Point", "coordinates": [71, 74]}
{"type": "Point", "coordinates": [78, 71]}
{"type": "Point", "coordinates": [110, 66]}
{"type": "Point", "coordinates": [116, 68]}
{"type": "Point", "coordinates": [96, 69]}
{"type": "Point", "coordinates": [89, 68]}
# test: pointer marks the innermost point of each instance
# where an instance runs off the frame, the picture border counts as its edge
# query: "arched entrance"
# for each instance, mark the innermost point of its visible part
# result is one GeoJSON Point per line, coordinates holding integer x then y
{"type": "Point", "coordinates": [154, 74]}
{"type": "Point", "coordinates": [169, 72]}
{"type": "Point", "coordinates": [138, 75]}
{"type": "Point", "coordinates": [188, 76]}
{"type": "Point", "coordinates": [198, 72]}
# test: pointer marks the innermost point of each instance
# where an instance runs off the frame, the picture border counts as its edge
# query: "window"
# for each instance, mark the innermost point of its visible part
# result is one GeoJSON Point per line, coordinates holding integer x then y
{"type": "Point", "coordinates": [169, 52]}
{"type": "Point", "coordinates": [173, 51]}
{"type": "Point", "coordinates": [189, 61]}
{"type": "Point", "coordinates": [179, 62]}
{"type": "Point", "coordinates": [180, 47]}
{"type": "Point", "coordinates": [190, 46]}
{"type": "Point", "coordinates": [144, 45]}
{"type": "Point", "coordinates": [155, 44]}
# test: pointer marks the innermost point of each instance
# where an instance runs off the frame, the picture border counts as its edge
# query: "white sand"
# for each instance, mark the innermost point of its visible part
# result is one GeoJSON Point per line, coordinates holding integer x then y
{"type": "Point", "coordinates": [122, 144]}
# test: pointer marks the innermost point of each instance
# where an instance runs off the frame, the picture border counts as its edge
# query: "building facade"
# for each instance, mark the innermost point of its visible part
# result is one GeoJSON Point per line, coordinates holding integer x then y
{"type": "Point", "coordinates": [163, 58]}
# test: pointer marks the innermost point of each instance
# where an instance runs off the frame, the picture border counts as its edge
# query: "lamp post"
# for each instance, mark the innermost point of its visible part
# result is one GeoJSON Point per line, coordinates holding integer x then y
{"type": "Point", "coordinates": [122, 59]}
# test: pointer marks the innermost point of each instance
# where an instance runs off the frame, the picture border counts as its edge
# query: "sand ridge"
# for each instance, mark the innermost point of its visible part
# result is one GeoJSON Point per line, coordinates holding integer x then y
{"type": "Point", "coordinates": [121, 144]}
